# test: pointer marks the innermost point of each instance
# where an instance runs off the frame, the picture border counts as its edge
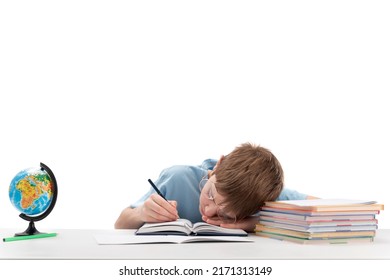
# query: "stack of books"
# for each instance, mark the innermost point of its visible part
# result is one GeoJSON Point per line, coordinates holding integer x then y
{"type": "Point", "coordinates": [317, 221]}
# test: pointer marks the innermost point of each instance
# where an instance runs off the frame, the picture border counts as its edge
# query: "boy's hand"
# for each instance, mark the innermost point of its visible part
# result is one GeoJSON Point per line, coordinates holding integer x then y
{"type": "Point", "coordinates": [247, 224]}
{"type": "Point", "coordinates": [156, 209]}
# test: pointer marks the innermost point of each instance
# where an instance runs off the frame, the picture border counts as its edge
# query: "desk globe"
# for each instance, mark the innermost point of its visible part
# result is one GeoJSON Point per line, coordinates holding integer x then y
{"type": "Point", "coordinates": [33, 192]}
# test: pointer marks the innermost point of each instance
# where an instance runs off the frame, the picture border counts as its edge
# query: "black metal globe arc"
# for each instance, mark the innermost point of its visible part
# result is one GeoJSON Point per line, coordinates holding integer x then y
{"type": "Point", "coordinates": [31, 230]}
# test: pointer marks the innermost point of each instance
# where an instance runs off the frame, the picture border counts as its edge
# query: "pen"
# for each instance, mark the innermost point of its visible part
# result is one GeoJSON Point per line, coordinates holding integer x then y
{"type": "Point", "coordinates": [25, 237]}
{"type": "Point", "coordinates": [156, 189]}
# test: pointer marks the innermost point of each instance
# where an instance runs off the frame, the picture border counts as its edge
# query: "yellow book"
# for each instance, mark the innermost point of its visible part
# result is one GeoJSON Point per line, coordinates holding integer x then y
{"type": "Point", "coordinates": [310, 235]}
{"type": "Point", "coordinates": [342, 240]}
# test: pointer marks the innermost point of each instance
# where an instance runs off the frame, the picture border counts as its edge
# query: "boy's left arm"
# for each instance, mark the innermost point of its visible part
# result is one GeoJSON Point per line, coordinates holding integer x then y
{"type": "Point", "coordinates": [247, 224]}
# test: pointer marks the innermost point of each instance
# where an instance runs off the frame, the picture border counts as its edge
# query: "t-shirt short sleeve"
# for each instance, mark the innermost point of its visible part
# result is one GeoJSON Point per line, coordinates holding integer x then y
{"type": "Point", "coordinates": [289, 194]}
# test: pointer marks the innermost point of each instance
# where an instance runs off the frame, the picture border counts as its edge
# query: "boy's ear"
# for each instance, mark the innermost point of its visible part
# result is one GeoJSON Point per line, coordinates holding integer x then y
{"type": "Point", "coordinates": [218, 162]}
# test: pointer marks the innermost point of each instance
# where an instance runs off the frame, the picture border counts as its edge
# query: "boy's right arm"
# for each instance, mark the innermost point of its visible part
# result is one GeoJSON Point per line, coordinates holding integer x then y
{"type": "Point", "coordinates": [154, 209]}
{"type": "Point", "coordinates": [129, 219]}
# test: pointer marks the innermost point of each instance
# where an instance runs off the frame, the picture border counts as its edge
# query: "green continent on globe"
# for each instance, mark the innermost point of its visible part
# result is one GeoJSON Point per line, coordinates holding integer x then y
{"type": "Point", "coordinates": [32, 187]}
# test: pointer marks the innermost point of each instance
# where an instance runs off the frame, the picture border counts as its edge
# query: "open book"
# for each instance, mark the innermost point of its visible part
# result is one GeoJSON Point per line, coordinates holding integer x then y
{"type": "Point", "coordinates": [185, 227]}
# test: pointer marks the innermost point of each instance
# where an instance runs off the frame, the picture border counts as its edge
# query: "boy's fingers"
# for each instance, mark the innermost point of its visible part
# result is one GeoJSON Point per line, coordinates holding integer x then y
{"type": "Point", "coordinates": [211, 220]}
{"type": "Point", "coordinates": [163, 208]}
{"type": "Point", "coordinates": [173, 203]}
{"type": "Point", "coordinates": [157, 214]}
{"type": "Point", "coordinates": [248, 224]}
{"type": "Point", "coordinates": [169, 206]}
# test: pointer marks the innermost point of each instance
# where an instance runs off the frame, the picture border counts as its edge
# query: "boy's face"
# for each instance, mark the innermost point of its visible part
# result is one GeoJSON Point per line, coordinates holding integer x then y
{"type": "Point", "coordinates": [211, 203]}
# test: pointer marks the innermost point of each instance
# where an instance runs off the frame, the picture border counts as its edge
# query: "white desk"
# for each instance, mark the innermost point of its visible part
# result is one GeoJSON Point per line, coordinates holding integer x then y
{"type": "Point", "coordinates": [81, 244]}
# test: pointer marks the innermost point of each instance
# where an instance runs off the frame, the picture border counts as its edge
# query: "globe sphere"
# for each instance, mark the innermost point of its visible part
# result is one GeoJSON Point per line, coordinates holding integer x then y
{"type": "Point", "coordinates": [31, 191]}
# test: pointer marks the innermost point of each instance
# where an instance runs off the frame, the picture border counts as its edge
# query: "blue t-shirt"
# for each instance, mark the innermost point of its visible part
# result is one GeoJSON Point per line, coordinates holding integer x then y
{"type": "Point", "coordinates": [181, 183]}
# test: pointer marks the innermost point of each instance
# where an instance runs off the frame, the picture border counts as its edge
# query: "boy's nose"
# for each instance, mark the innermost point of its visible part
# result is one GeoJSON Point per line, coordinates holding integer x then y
{"type": "Point", "coordinates": [210, 210]}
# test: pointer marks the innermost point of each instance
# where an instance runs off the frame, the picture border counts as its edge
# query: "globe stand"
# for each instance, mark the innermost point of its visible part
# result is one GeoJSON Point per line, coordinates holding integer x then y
{"type": "Point", "coordinates": [31, 230]}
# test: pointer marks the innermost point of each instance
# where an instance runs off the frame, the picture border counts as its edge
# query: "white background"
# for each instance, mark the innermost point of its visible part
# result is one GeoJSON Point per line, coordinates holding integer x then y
{"type": "Point", "coordinates": [108, 93]}
{"type": "Point", "coordinates": [281, 269]}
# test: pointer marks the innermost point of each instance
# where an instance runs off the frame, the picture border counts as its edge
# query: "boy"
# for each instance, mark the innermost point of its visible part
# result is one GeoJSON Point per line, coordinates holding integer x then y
{"type": "Point", "coordinates": [226, 193]}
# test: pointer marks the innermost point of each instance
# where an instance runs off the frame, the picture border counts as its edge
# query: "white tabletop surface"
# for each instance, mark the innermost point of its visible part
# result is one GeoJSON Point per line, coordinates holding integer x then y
{"type": "Point", "coordinates": [81, 244]}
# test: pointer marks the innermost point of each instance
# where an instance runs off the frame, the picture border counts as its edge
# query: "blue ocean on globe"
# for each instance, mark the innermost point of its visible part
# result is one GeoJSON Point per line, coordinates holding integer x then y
{"type": "Point", "coordinates": [31, 191]}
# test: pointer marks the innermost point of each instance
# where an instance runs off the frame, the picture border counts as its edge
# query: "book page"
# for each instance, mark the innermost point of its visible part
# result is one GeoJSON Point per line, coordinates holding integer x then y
{"type": "Point", "coordinates": [180, 226]}
{"type": "Point", "coordinates": [205, 228]}
{"type": "Point", "coordinates": [115, 239]}
{"type": "Point", "coordinates": [327, 202]}
{"type": "Point", "coordinates": [178, 222]}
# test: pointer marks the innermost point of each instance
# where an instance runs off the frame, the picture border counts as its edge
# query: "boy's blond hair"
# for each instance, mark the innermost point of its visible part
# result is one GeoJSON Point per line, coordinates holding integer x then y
{"type": "Point", "coordinates": [247, 177]}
